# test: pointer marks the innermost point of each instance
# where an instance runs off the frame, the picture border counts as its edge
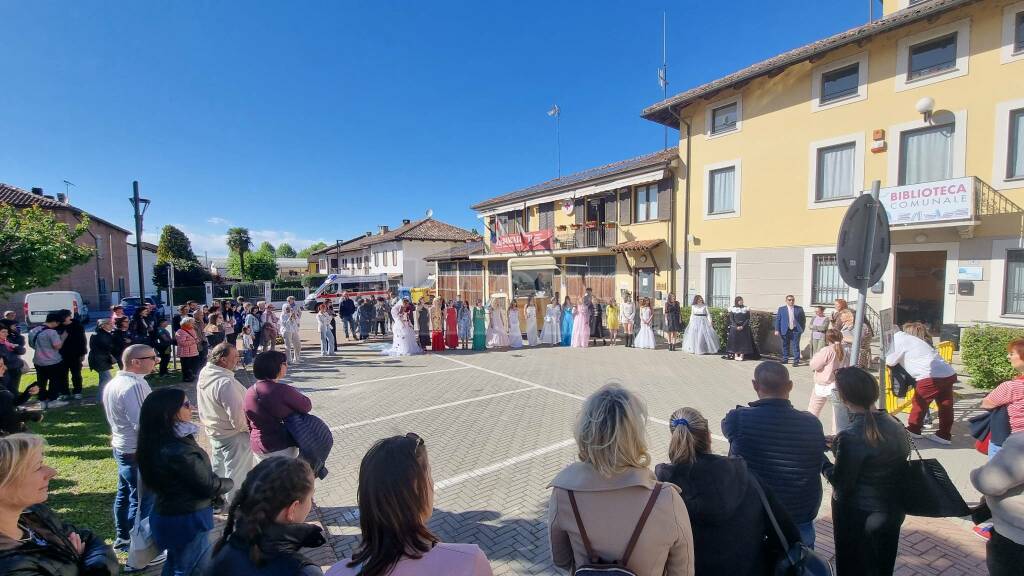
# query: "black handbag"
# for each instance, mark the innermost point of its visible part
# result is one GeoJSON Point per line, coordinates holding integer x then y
{"type": "Point", "coordinates": [902, 381]}
{"type": "Point", "coordinates": [929, 492]}
{"type": "Point", "coordinates": [796, 559]}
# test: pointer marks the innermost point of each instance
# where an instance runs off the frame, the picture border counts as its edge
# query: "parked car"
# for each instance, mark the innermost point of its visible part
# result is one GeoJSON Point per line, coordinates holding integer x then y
{"type": "Point", "coordinates": [39, 304]}
{"type": "Point", "coordinates": [131, 304]}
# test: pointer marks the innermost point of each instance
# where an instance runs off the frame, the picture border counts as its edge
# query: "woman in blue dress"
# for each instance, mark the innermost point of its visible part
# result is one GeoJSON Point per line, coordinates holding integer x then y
{"type": "Point", "coordinates": [567, 320]}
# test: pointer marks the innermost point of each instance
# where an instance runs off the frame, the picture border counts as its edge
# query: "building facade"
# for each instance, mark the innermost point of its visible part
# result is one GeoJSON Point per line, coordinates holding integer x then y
{"type": "Point", "coordinates": [103, 278]}
{"type": "Point", "coordinates": [928, 100]}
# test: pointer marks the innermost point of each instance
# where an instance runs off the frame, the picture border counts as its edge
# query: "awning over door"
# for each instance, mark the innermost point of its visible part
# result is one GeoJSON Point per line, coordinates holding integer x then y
{"type": "Point", "coordinates": [533, 263]}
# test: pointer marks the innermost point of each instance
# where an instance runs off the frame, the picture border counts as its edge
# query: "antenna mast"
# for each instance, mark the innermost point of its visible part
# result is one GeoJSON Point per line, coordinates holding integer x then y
{"type": "Point", "coordinates": [663, 71]}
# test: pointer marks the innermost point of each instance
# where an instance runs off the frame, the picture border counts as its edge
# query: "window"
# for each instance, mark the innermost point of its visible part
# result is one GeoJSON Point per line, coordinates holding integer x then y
{"type": "Point", "coordinates": [724, 119]}
{"type": "Point", "coordinates": [932, 57]}
{"type": "Point", "coordinates": [1015, 161]}
{"type": "Point", "coordinates": [334, 264]}
{"type": "Point", "coordinates": [1018, 34]}
{"type": "Point", "coordinates": [446, 268]}
{"type": "Point", "coordinates": [841, 83]}
{"type": "Point", "coordinates": [509, 222]}
{"type": "Point", "coordinates": [1013, 298]}
{"type": "Point", "coordinates": [646, 203]}
{"type": "Point", "coordinates": [719, 280]}
{"type": "Point", "coordinates": [120, 287]}
{"type": "Point", "coordinates": [826, 283]}
{"type": "Point", "coordinates": [722, 190]}
{"type": "Point", "coordinates": [546, 216]}
{"type": "Point", "coordinates": [394, 257]}
{"type": "Point", "coordinates": [926, 154]}
{"type": "Point", "coordinates": [835, 172]}
{"type": "Point", "coordinates": [497, 267]}
{"type": "Point", "coordinates": [344, 262]}
{"type": "Point", "coordinates": [375, 261]}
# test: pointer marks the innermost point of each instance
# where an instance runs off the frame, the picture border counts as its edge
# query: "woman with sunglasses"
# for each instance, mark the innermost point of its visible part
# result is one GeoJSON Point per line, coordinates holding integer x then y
{"type": "Point", "coordinates": [396, 500]}
{"type": "Point", "coordinates": [178, 472]}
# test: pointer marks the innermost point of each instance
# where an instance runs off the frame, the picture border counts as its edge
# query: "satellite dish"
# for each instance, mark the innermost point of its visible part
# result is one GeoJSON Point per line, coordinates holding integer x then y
{"type": "Point", "coordinates": [430, 212]}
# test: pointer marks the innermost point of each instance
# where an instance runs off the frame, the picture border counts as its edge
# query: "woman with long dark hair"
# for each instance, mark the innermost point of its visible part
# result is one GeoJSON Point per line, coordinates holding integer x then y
{"type": "Point", "coordinates": [178, 472]}
{"type": "Point", "coordinates": [266, 524]}
{"type": "Point", "coordinates": [396, 500]}
{"type": "Point", "coordinates": [673, 320]}
{"type": "Point", "coordinates": [867, 480]}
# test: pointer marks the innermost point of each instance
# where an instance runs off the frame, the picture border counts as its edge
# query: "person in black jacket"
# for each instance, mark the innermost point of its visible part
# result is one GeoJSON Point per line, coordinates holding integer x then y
{"type": "Point", "coordinates": [12, 420]}
{"type": "Point", "coordinates": [729, 522]}
{"type": "Point", "coordinates": [266, 523]}
{"type": "Point", "coordinates": [177, 471]}
{"type": "Point", "coordinates": [101, 353]}
{"type": "Point", "coordinates": [73, 352]}
{"type": "Point", "coordinates": [33, 539]}
{"type": "Point", "coordinates": [122, 339]}
{"type": "Point", "coordinates": [12, 348]}
{"type": "Point", "coordinates": [869, 471]}
{"type": "Point", "coordinates": [162, 343]}
{"type": "Point", "coordinates": [141, 327]}
{"type": "Point", "coordinates": [784, 446]}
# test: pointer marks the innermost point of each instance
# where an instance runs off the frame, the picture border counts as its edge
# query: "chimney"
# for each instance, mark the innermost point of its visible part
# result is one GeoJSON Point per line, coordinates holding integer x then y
{"type": "Point", "coordinates": [62, 198]}
{"type": "Point", "coordinates": [368, 234]}
{"type": "Point", "coordinates": [383, 229]}
{"type": "Point", "coordinates": [405, 221]}
{"type": "Point", "coordinates": [37, 191]}
{"type": "Point", "coordinates": [49, 196]}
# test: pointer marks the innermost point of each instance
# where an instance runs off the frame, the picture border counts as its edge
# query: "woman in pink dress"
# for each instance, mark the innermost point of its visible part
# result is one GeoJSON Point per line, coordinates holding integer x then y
{"type": "Point", "coordinates": [451, 327]}
{"type": "Point", "coordinates": [581, 326]}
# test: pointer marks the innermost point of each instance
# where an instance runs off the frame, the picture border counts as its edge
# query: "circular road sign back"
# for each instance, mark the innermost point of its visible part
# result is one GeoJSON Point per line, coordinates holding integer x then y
{"type": "Point", "coordinates": [853, 235]}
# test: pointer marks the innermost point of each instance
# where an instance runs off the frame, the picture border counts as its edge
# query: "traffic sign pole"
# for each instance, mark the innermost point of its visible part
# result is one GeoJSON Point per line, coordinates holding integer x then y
{"type": "Point", "coordinates": [864, 282]}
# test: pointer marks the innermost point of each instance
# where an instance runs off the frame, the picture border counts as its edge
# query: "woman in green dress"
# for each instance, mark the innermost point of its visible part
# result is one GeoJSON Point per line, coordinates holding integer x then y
{"type": "Point", "coordinates": [479, 330]}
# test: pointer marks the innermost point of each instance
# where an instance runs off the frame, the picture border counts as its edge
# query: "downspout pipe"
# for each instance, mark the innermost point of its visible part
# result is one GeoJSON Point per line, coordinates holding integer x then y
{"type": "Point", "coordinates": [686, 212]}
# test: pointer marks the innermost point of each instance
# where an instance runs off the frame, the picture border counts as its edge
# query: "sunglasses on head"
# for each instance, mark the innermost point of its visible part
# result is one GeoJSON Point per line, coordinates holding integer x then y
{"type": "Point", "coordinates": [417, 441]}
{"type": "Point", "coordinates": [186, 404]}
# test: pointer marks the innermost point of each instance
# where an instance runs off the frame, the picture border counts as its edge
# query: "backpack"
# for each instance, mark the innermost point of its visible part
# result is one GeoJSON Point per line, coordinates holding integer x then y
{"type": "Point", "coordinates": [596, 566]}
{"type": "Point", "coordinates": [33, 336]}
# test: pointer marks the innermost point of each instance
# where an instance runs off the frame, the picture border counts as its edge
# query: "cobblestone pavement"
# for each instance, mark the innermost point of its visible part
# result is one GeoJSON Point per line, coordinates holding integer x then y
{"type": "Point", "coordinates": [498, 427]}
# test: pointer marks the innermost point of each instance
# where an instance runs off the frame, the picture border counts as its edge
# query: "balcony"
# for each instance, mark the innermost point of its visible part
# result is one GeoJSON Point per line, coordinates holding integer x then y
{"type": "Point", "coordinates": [574, 237]}
{"type": "Point", "coordinates": [957, 202]}
{"type": "Point", "coordinates": [595, 236]}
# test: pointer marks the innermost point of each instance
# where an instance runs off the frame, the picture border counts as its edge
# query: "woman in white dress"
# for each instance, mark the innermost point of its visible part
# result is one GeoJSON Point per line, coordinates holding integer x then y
{"type": "Point", "coordinates": [700, 337]}
{"type": "Point", "coordinates": [515, 336]}
{"type": "Point", "coordinates": [497, 334]}
{"type": "Point", "coordinates": [403, 341]}
{"type": "Point", "coordinates": [531, 322]}
{"type": "Point", "coordinates": [552, 318]}
{"type": "Point", "coordinates": [645, 336]}
{"type": "Point", "coordinates": [627, 315]}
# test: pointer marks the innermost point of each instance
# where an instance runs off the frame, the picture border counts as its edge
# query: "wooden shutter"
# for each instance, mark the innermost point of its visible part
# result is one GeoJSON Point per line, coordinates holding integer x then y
{"type": "Point", "coordinates": [580, 210]}
{"type": "Point", "coordinates": [665, 199]}
{"type": "Point", "coordinates": [626, 206]}
{"type": "Point", "coordinates": [546, 213]}
{"type": "Point", "coordinates": [611, 207]}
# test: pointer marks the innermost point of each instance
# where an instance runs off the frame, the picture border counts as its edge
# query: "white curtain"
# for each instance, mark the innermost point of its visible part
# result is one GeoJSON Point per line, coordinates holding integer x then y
{"type": "Point", "coordinates": [835, 172]}
{"type": "Point", "coordinates": [720, 273]}
{"type": "Point", "coordinates": [1017, 143]}
{"type": "Point", "coordinates": [928, 155]}
{"type": "Point", "coordinates": [723, 190]}
{"type": "Point", "coordinates": [652, 202]}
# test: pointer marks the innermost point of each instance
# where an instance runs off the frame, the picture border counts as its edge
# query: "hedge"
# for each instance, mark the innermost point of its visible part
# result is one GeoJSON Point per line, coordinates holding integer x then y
{"type": "Point", "coordinates": [983, 351]}
{"type": "Point", "coordinates": [279, 294]}
{"type": "Point", "coordinates": [314, 281]}
{"type": "Point", "coordinates": [183, 294]}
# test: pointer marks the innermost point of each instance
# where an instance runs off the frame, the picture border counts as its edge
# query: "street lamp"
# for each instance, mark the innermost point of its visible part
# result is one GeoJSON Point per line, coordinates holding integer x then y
{"type": "Point", "coordinates": [139, 205]}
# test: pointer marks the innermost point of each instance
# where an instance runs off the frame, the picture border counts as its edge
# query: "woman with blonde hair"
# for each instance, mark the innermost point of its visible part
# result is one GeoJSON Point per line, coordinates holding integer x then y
{"type": "Point", "coordinates": [645, 335]}
{"type": "Point", "coordinates": [611, 493]}
{"type": "Point", "coordinates": [33, 539]}
{"type": "Point", "coordinates": [912, 348]}
{"type": "Point", "coordinates": [824, 364]}
{"type": "Point", "coordinates": [722, 502]}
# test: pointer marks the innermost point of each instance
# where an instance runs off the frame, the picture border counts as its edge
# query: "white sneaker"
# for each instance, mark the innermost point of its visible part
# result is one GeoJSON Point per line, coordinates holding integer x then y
{"type": "Point", "coordinates": [160, 559]}
{"type": "Point", "coordinates": [938, 439]}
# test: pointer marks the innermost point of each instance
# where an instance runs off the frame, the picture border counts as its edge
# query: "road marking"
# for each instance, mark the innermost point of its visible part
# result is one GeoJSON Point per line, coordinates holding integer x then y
{"type": "Point", "coordinates": [350, 384]}
{"type": "Point", "coordinates": [556, 391]}
{"type": "Point", "coordinates": [449, 482]}
{"type": "Point", "coordinates": [429, 408]}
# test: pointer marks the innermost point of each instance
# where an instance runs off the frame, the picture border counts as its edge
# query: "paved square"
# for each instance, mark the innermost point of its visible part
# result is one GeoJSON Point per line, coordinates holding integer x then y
{"type": "Point", "coordinates": [498, 427]}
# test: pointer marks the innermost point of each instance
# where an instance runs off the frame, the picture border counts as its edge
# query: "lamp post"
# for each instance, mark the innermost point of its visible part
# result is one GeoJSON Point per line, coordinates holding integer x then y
{"type": "Point", "coordinates": [139, 205]}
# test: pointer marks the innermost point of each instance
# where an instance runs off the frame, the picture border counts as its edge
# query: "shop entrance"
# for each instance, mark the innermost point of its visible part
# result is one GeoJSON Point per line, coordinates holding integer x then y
{"type": "Point", "coordinates": [920, 288]}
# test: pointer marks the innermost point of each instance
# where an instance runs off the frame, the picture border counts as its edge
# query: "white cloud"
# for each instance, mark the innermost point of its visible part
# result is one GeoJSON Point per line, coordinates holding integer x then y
{"type": "Point", "coordinates": [215, 245]}
{"type": "Point", "coordinates": [218, 221]}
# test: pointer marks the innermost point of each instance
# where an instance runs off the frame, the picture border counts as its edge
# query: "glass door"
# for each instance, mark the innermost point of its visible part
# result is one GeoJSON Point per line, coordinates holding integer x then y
{"type": "Point", "coordinates": [719, 279]}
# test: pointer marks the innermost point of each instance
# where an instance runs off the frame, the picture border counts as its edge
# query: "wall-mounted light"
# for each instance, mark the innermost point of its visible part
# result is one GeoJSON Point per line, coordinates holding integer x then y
{"type": "Point", "coordinates": [921, 238]}
{"type": "Point", "coordinates": [925, 107]}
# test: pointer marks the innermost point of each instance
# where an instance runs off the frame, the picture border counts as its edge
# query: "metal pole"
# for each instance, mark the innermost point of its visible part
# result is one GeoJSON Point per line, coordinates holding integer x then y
{"type": "Point", "coordinates": [558, 142]}
{"type": "Point", "coordinates": [867, 254]}
{"type": "Point", "coordinates": [138, 241]}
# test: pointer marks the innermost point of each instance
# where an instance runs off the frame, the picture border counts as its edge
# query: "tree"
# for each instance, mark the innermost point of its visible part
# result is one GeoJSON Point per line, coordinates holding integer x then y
{"type": "Point", "coordinates": [261, 265]}
{"type": "Point", "coordinates": [266, 247]}
{"type": "Point", "coordinates": [36, 250]}
{"type": "Point", "coordinates": [285, 250]}
{"type": "Point", "coordinates": [175, 248]}
{"type": "Point", "coordinates": [239, 242]}
{"type": "Point", "coordinates": [174, 245]}
{"type": "Point", "coordinates": [305, 252]}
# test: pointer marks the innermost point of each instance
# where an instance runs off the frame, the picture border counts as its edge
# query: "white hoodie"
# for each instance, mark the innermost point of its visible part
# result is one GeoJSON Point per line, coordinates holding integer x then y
{"type": "Point", "coordinates": [221, 402]}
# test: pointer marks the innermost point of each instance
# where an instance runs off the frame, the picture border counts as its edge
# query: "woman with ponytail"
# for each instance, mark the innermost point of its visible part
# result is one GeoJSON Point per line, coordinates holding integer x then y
{"type": "Point", "coordinates": [722, 501]}
{"type": "Point", "coordinates": [824, 364]}
{"type": "Point", "coordinates": [266, 523]}
{"type": "Point", "coordinates": [867, 480]}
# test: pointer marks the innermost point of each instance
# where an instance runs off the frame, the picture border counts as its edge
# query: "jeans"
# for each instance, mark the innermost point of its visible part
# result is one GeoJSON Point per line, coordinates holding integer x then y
{"type": "Point", "coordinates": [790, 339]}
{"type": "Point", "coordinates": [105, 376]}
{"type": "Point", "coordinates": [941, 391]}
{"type": "Point", "coordinates": [806, 533]}
{"type": "Point", "coordinates": [126, 499]}
{"type": "Point", "coordinates": [326, 343]}
{"type": "Point", "coordinates": [184, 536]}
{"type": "Point", "coordinates": [349, 324]}
{"type": "Point", "coordinates": [1003, 556]}
{"type": "Point", "coordinates": [993, 449]}
{"type": "Point", "coordinates": [866, 542]}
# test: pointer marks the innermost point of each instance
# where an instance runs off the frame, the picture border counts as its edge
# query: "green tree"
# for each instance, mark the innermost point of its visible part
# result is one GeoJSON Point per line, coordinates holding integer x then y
{"type": "Point", "coordinates": [175, 248]}
{"type": "Point", "coordinates": [305, 252]}
{"type": "Point", "coordinates": [285, 250]}
{"type": "Point", "coordinates": [36, 250]}
{"type": "Point", "coordinates": [260, 265]}
{"type": "Point", "coordinates": [266, 247]}
{"type": "Point", "coordinates": [239, 242]}
{"type": "Point", "coordinates": [174, 245]}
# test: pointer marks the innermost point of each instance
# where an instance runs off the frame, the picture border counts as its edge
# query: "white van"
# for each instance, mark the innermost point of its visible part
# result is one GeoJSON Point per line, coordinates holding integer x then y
{"type": "Point", "coordinates": [39, 304]}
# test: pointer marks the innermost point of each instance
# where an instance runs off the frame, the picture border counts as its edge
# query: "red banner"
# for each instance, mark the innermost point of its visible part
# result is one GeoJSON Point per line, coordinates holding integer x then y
{"type": "Point", "coordinates": [523, 242]}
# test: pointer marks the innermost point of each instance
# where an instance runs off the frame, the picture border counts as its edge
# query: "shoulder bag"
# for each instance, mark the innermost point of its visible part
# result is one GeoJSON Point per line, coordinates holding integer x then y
{"type": "Point", "coordinates": [797, 558]}
{"type": "Point", "coordinates": [928, 491]}
{"type": "Point", "coordinates": [597, 567]}
{"type": "Point", "coordinates": [902, 381]}
{"type": "Point", "coordinates": [142, 549]}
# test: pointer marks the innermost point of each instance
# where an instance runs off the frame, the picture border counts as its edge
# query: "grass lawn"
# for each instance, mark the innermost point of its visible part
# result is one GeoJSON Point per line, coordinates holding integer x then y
{"type": "Point", "coordinates": [78, 447]}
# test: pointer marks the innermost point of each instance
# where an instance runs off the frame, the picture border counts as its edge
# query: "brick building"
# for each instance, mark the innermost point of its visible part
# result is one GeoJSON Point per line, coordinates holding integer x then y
{"type": "Point", "coordinates": [104, 273]}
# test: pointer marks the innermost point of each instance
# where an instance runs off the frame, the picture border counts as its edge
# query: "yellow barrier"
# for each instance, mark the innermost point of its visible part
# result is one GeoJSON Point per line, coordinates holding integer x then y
{"type": "Point", "coordinates": [946, 351]}
{"type": "Point", "coordinates": [894, 404]}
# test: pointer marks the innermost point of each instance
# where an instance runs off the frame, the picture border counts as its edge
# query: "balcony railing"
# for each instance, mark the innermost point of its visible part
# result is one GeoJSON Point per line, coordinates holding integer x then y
{"type": "Point", "coordinates": [594, 237]}
{"type": "Point", "coordinates": [956, 201]}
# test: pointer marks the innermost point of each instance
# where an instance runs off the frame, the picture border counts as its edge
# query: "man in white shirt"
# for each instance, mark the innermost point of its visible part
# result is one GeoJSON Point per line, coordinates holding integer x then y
{"type": "Point", "coordinates": [122, 402]}
{"type": "Point", "coordinates": [291, 316]}
{"type": "Point", "coordinates": [221, 399]}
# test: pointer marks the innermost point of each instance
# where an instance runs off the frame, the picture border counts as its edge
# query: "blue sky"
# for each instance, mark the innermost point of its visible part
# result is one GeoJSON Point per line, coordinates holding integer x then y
{"type": "Point", "coordinates": [320, 120]}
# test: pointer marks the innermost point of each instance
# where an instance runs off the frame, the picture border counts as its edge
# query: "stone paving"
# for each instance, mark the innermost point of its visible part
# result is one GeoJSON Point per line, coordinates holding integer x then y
{"type": "Point", "coordinates": [498, 427]}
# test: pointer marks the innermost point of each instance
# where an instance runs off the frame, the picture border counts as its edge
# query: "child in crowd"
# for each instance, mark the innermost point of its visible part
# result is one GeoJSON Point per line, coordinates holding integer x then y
{"type": "Point", "coordinates": [246, 342]}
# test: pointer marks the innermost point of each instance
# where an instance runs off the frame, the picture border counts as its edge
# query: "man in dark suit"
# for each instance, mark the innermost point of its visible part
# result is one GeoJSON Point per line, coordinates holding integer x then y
{"type": "Point", "coordinates": [789, 325]}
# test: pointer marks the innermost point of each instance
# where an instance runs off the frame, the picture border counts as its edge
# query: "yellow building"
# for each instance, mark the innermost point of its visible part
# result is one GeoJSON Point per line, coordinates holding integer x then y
{"type": "Point", "coordinates": [929, 100]}
{"type": "Point", "coordinates": [606, 228]}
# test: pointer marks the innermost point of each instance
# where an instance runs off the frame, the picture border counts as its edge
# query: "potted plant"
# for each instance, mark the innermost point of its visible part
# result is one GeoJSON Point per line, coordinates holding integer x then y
{"type": "Point", "coordinates": [591, 224]}
{"type": "Point", "coordinates": [609, 224]}
{"type": "Point", "coordinates": [576, 226]}
{"type": "Point", "coordinates": [562, 227]}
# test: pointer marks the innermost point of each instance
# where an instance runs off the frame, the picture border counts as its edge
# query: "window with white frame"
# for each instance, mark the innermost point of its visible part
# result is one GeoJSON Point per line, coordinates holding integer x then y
{"type": "Point", "coordinates": [344, 262]}
{"type": "Point", "coordinates": [835, 172]}
{"type": "Point", "coordinates": [932, 57]}
{"type": "Point", "coordinates": [936, 54]}
{"type": "Point", "coordinates": [1013, 292]}
{"type": "Point", "coordinates": [719, 282]}
{"type": "Point", "coordinates": [926, 154]}
{"type": "Point", "coordinates": [646, 203]}
{"type": "Point", "coordinates": [826, 283]}
{"type": "Point", "coordinates": [1015, 145]}
{"type": "Point", "coordinates": [1018, 33]}
{"type": "Point", "coordinates": [840, 84]}
{"type": "Point", "coordinates": [322, 264]}
{"type": "Point", "coordinates": [394, 257]}
{"type": "Point", "coordinates": [724, 118]}
{"type": "Point", "coordinates": [722, 190]}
